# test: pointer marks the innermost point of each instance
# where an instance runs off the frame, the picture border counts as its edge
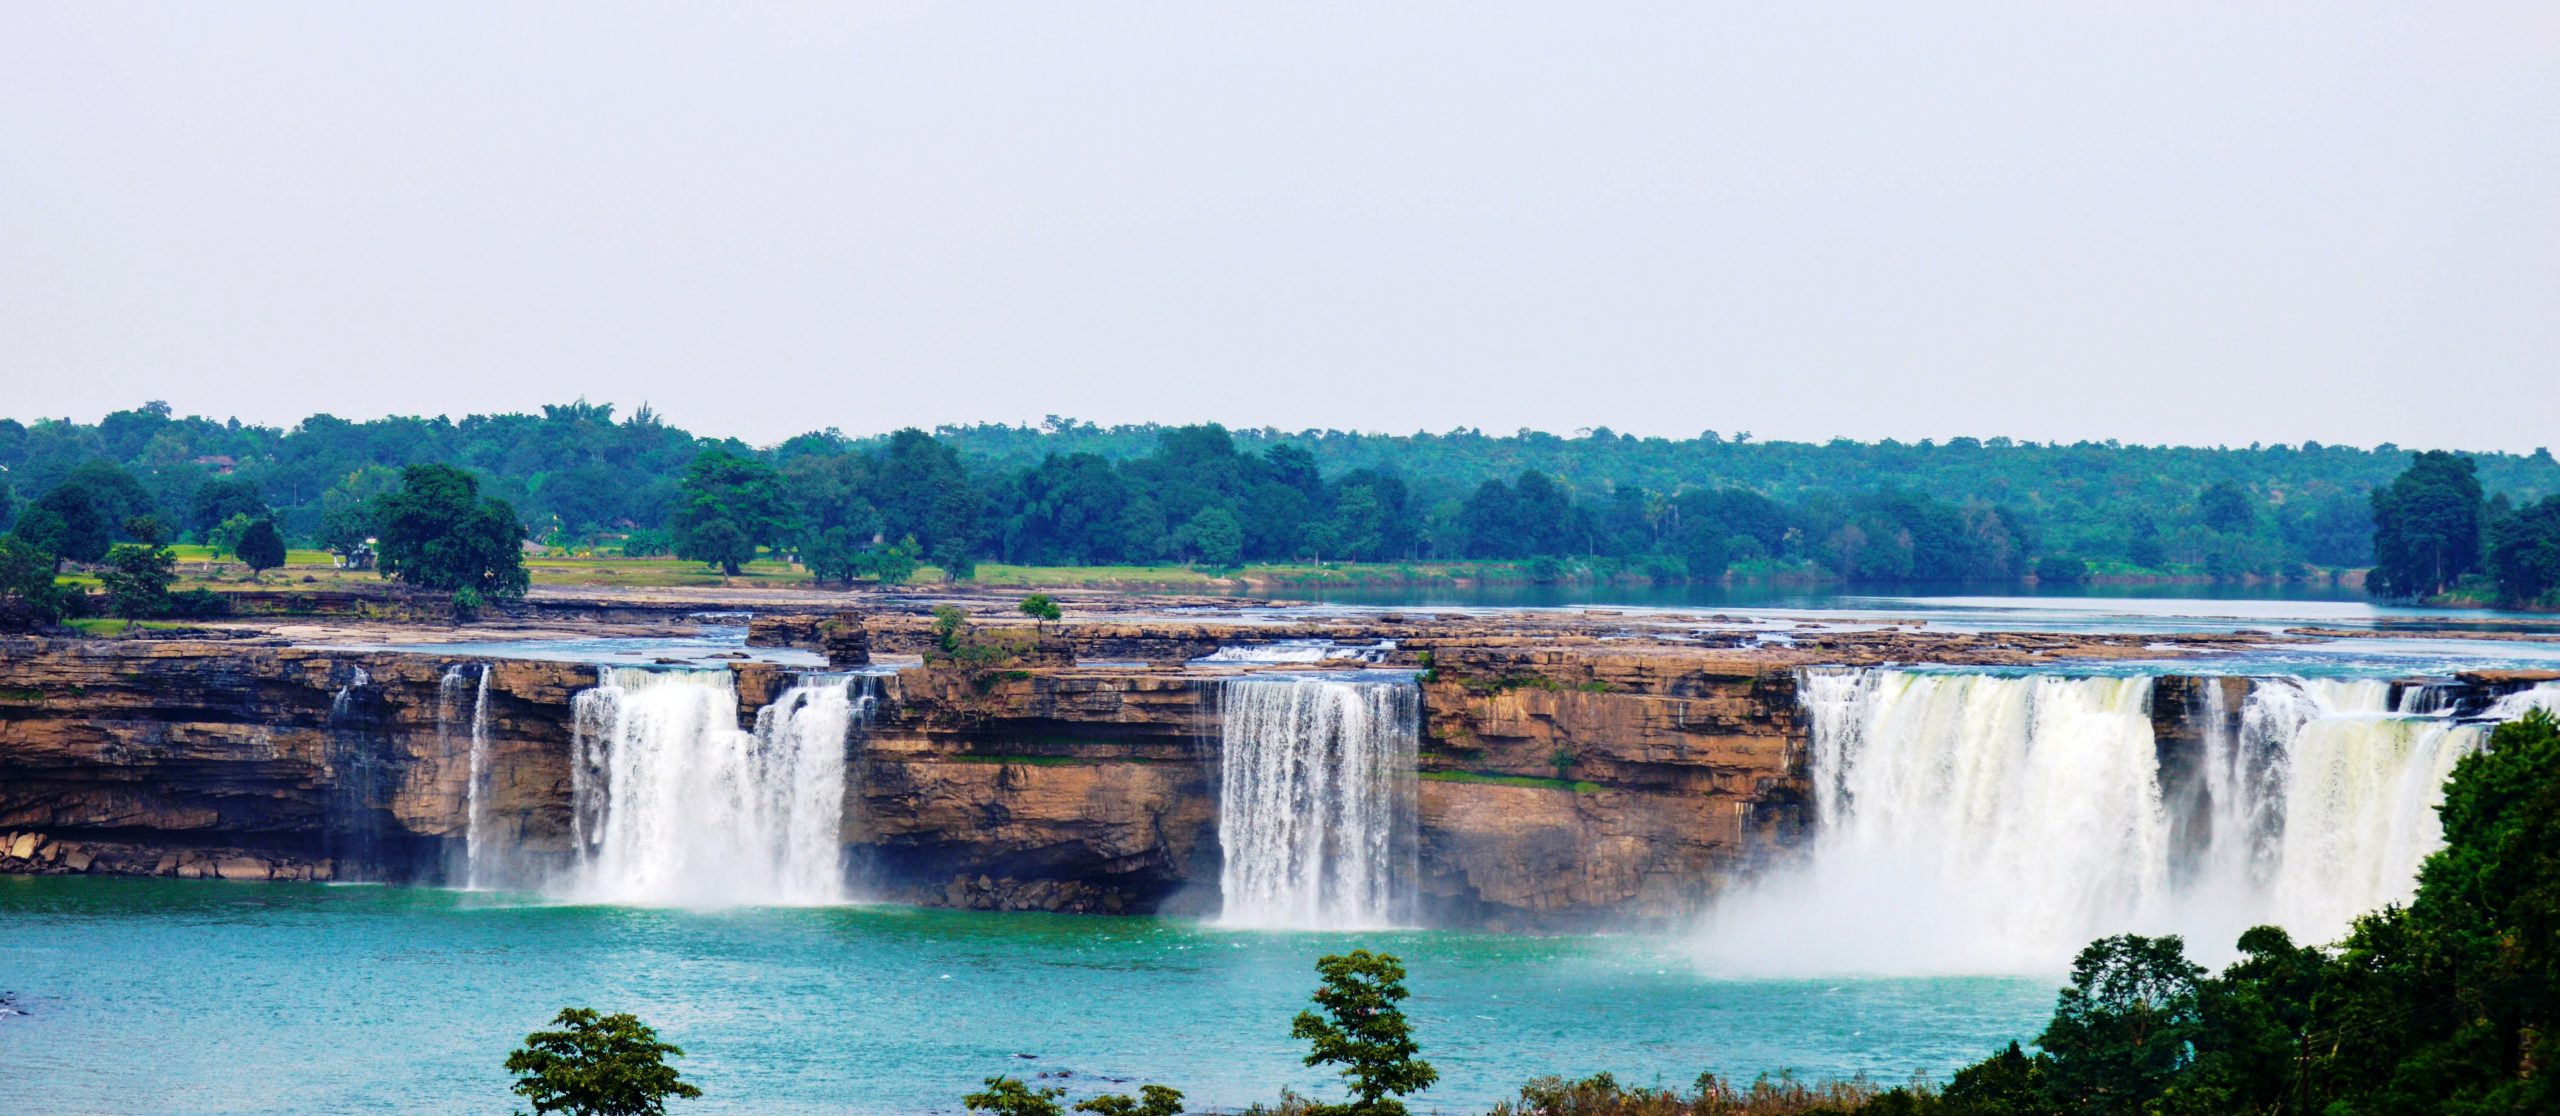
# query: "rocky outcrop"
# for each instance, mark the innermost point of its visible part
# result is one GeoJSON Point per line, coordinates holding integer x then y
{"type": "Point", "coordinates": [178, 758]}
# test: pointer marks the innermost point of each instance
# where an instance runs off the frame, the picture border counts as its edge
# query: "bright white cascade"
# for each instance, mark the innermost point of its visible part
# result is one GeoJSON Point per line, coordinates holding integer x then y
{"type": "Point", "coordinates": [1977, 823]}
{"type": "Point", "coordinates": [677, 806]}
{"type": "Point", "coordinates": [477, 853]}
{"type": "Point", "coordinates": [1316, 801]}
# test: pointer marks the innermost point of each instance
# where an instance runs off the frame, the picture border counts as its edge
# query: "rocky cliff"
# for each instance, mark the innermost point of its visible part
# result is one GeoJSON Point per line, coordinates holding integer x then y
{"type": "Point", "coordinates": [1560, 786]}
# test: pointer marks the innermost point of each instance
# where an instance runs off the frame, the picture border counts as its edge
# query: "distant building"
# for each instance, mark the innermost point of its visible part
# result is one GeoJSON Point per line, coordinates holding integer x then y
{"type": "Point", "coordinates": [220, 463]}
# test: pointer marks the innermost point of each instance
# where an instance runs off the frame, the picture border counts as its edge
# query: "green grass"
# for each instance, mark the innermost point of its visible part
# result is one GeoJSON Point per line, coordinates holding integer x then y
{"type": "Point", "coordinates": [1576, 786]}
{"type": "Point", "coordinates": [107, 625]}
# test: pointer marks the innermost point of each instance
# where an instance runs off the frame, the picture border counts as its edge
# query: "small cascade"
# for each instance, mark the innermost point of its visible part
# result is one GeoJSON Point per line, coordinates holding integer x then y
{"type": "Point", "coordinates": [1974, 822]}
{"type": "Point", "coordinates": [1316, 801]}
{"type": "Point", "coordinates": [478, 846]}
{"type": "Point", "coordinates": [352, 834]}
{"type": "Point", "coordinates": [674, 804]}
{"type": "Point", "coordinates": [476, 836]}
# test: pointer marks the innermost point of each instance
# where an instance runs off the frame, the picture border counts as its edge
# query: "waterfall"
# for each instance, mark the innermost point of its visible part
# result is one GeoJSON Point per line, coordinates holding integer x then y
{"type": "Point", "coordinates": [477, 847]}
{"type": "Point", "coordinates": [1975, 822]}
{"type": "Point", "coordinates": [1316, 801]}
{"type": "Point", "coordinates": [352, 830]}
{"type": "Point", "coordinates": [674, 804]}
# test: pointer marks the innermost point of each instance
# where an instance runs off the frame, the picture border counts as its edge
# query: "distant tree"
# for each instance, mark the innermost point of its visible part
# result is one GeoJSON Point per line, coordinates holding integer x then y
{"type": "Point", "coordinates": [2524, 552]}
{"type": "Point", "coordinates": [2426, 526]}
{"type": "Point", "coordinates": [1152, 1100]}
{"type": "Point", "coordinates": [893, 564]}
{"type": "Point", "coordinates": [833, 555]}
{"type": "Point", "coordinates": [137, 579]}
{"type": "Point", "coordinates": [2143, 544]}
{"type": "Point", "coordinates": [345, 531]}
{"type": "Point", "coordinates": [1007, 1096]}
{"type": "Point", "coordinates": [2225, 506]}
{"type": "Point", "coordinates": [225, 536]}
{"type": "Point", "coordinates": [2124, 1027]}
{"type": "Point", "coordinates": [729, 506]}
{"type": "Point", "coordinates": [76, 530]}
{"type": "Point", "coordinates": [1214, 537]}
{"type": "Point", "coordinates": [42, 531]}
{"type": "Point", "coordinates": [261, 547]}
{"type": "Point", "coordinates": [27, 585]}
{"type": "Point", "coordinates": [438, 532]}
{"type": "Point", "coordinates": [1359, 1027]}
{"type": "Point", "coordinates": [115, 493]}
{"type": "Point", "coordinates": [220, 498]}
{"type": "Point", "coordinates": [1041, 609]}
{"type": "Point", "coordinates": [597, 1065]}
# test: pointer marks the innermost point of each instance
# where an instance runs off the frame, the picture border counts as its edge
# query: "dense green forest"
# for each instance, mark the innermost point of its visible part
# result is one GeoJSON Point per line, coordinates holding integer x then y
{"type": "Point", "coordinates": [1068, 493]}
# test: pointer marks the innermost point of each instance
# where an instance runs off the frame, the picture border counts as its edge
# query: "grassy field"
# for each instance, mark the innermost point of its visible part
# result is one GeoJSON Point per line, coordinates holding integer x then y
{"type": "Point", "coordinates": [197, 566]}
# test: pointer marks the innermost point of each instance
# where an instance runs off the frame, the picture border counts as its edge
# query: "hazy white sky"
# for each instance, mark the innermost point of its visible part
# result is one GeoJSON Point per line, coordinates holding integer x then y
{"type": "Point", "coordinates": [2150, 222]}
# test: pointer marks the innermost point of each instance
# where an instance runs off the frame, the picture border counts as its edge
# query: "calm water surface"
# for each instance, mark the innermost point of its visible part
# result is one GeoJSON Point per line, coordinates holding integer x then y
{"type": "Point", "coordinates": [185, 996]}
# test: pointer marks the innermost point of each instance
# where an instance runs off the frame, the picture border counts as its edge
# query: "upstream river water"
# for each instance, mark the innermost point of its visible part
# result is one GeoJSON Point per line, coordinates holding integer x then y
{"type": "Point", "coordinates": [183, 996]}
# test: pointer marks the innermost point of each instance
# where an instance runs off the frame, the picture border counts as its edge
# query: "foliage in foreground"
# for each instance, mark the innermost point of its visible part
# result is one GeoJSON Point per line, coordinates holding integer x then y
{"type": "Point", "coordinates": [1358, 1027]}
{"type": "Point", "coordinates": [608, 1065]}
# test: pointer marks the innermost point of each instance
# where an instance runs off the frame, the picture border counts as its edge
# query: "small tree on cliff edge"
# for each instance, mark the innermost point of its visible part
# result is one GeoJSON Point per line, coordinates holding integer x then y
{"type": "Point", "coordinates": [611, 1065]}
{"type": "Point", "coordinates": [1361, 1029]}
{"type": "Point", "coordinates": [1042, 609]}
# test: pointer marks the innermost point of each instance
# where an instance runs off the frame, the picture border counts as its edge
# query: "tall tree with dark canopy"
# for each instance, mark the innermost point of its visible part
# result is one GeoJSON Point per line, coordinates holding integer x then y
{"type": "Point", "coordinates": [2524, 552]}
{"type": "Point", "coordinates": [437, 532]}
{"type": "Point", "coordinates": [2426, 527]}
{"type": "Point", "coordinates": [730, 505]}
{"type": "Point", "coordinates": [261, 547]}
{"type": "Point", "coordinates": [1359, 1027]}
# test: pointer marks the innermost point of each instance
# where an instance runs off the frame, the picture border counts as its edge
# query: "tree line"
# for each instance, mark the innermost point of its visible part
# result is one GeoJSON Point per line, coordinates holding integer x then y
{"type": "Point", "coordinates": [1068, 493]}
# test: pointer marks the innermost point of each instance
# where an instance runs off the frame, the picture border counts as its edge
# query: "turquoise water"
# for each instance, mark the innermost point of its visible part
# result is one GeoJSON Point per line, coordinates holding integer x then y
{"type": "Point", "coordinates": [185, 996]}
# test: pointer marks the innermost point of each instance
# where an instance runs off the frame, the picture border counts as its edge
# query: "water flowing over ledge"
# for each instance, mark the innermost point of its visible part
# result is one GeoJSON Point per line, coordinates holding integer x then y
{"type": "Point", "coordinates": [1969, 822]}
{"type": "Point", "coordinates": [674, 805]}
{"type": "Point", "coordinates": [1316, 809]}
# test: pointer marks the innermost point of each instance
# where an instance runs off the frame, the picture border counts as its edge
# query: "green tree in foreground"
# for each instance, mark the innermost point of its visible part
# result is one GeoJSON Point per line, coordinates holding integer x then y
{"type": "Point", "coordinates": [1041, 608]}
{"type": "Point", "coordinates": [261, 547]}
{"type": "Point", "coordinates": [1008, 1096]}
{"type": "Point", "coordinates": [1359, 1027]}
{"type": "Point", "coordinates": [2125, 1026]}
{"type": "Point", "coordinates": [1152, 1100]}
{"type": "Point", "coordinates": [438, 532]}
{"type": "Point", "coordinates": [597, 1065]}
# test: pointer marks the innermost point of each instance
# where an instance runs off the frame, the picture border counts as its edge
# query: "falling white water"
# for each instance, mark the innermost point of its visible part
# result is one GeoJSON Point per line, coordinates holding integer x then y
{"type": "Point", "coordinates": [1316, 806]}
{"type": "Point", "coordinates": [476, 850]}
{"type": "Point", "coordinates": [1970, 822]}
{"type": "Point", "coordinates": [676, 805]}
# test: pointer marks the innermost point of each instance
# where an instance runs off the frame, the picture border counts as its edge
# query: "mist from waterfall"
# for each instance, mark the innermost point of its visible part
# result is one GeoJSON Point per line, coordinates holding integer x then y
{"type": "Point", "coordinates": [1316, 801]}
{"type": "Point", "coordinates": [1969, 822]}
{"type": "Point", "coordinates": [675, 805]}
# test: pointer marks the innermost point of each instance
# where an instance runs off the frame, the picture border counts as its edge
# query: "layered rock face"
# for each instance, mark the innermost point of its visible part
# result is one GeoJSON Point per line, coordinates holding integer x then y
{"type": "Point", "coordinates": [260, 762]}
{"type": "Point", "coordinates": [1560, 786]}
{"type": "Point", "coordinates": [1051, 788]}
